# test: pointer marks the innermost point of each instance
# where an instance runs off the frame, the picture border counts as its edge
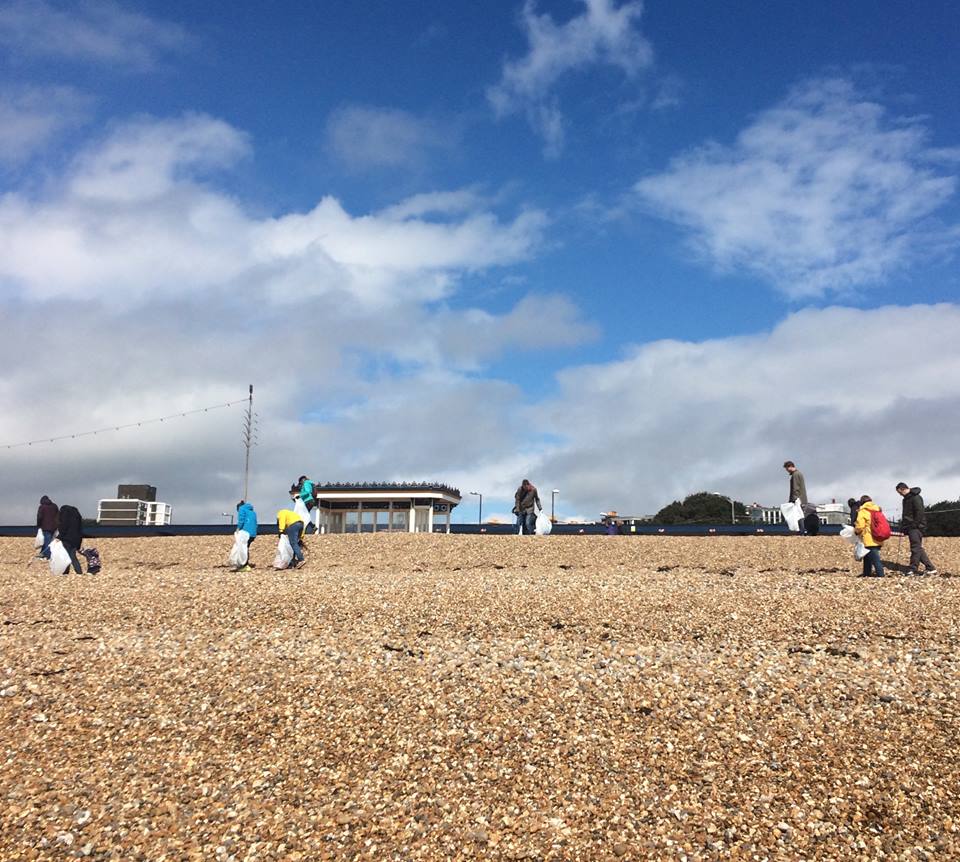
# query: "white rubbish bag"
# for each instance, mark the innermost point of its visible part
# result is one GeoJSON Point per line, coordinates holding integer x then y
{"type": "Point", "coordinates": [848, 534]}
{"type": "Point", "coordinates": [301, 509]}
{"type": "Point", "coordinates": [860, 551]}
{"type": "Point", "coordinates": [792, 515]}
{"type": "Point", "coordinates": [284, 553]}
{"type": "Point", "coordinates": [59, 558]}
{"type": "Point", "coordinates": [544, 525]}
{"type": "Point", "coordinates": [238, 553]}
{"type": "Point", "coordinates": [38, 541]}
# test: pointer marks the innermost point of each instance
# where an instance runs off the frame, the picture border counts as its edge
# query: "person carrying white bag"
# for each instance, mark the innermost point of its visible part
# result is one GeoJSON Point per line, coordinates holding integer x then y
{"type": "Point", "coordinates": [246, 524]}
{"type": "Point", "coordinates": [290, 526]}
{"type": "Point", "coordinates": [239, 553]}
{"type": "Point", "coordinates": [48, 520]}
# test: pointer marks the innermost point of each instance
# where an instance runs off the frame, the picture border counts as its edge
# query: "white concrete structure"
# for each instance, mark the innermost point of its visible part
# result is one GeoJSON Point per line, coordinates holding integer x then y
{"type": "Point", "coordinates": [122, 511]}
{"type": "Point", "coordinates": [374, 507]}
{"type": "Point", "coordinates": [827, 513]}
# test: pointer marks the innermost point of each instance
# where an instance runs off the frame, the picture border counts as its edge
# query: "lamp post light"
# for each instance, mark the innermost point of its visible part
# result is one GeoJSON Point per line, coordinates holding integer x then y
{"type": "Point", "coordinates": [227, 515]}
{"type": "Point", "coordinates": [480, 509]}
{"type": "Point", "coordinates": [553, 500]}
{"type": "Point", "coordinates": [733, 511]}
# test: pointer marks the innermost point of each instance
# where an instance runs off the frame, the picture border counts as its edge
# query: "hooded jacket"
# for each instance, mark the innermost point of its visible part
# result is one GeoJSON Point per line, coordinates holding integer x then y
{"type": "Point", "coordinates": [306, 491]}
{"type": "Point", "coordinates": [247, 520]}
{"type": "Point", "coordinates": [48, 515]}
{"type": "Point", "coordinates": [914, 515]}
{"type": "Point", "coordinates": [863, 525]}
{"type": "Point", "coordinates": [71, 526]}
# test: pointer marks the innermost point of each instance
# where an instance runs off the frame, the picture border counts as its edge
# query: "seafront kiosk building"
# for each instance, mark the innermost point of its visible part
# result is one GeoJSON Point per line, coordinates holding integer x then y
{"type": "Point", "coordinates": [381, 507]}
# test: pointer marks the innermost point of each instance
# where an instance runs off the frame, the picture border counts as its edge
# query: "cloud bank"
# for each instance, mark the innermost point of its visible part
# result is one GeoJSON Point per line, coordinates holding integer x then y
{"type": "Point", "coordinates": [823, 193]}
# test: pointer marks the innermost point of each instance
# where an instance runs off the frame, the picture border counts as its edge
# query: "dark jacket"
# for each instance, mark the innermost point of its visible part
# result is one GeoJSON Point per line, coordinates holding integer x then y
{"type": "Point", "coordinates": [526, 499]}
{"type": "Point", "coordinates": [854, 510]}
{"type": "Point", "coordinates": [798, 487]}
{"type": "Point", "coordinates": [48, 515]}
{"type": "Point", "coordinates": [914, 516]}
{"type": "Point", "coordinates": [71, 526]}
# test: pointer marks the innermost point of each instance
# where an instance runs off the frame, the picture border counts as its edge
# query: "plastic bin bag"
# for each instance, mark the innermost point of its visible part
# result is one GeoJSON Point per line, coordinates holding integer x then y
{"type": "Point", "coordinates": [301, 509]}
{"type": "Point", "coordinates": [848, 534]}
{"type": "Point", "coordinates": [238, 553]}
{"type": "Point", "coordinates": [59, 558]}
{"type": "Point", "coordinates": [792, 514]}
{"type": "Point", "coordinates": [544, 525]}
{"type": "Point", "coordinates": [284, 553]}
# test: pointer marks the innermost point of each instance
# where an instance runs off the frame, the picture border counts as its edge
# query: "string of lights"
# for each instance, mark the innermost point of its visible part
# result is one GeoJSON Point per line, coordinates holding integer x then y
{"type": "Point", "coordinates": [122, 427]}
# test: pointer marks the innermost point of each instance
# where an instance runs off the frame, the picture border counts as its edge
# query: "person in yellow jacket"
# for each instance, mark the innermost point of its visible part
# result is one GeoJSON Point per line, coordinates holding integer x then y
{"type": "Point", "coordinates": [862, 527]}
{"type": "Point", "coordinates": [292, 524]}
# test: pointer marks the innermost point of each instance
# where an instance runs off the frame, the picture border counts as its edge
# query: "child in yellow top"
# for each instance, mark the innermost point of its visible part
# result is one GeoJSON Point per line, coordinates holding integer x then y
{"type": "Point", "coordinates": [291, 523]}
{"type": "Point", "coordinates": [862, 527]}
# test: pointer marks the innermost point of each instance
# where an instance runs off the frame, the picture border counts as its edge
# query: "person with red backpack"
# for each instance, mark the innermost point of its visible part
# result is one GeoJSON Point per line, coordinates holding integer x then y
{"type": "Point", "coordinates": [873, 529]}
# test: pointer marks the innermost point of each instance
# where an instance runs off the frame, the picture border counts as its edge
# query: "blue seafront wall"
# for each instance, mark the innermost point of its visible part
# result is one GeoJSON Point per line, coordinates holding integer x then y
{"type": "Point", "coordinates": [103, 531]}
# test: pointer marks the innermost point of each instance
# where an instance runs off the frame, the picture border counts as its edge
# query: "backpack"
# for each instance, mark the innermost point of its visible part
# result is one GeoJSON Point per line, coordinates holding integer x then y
{"type": "Point", "coordinates": [879, 526]}
{"type": "Point", "coordinates": [93, 560]}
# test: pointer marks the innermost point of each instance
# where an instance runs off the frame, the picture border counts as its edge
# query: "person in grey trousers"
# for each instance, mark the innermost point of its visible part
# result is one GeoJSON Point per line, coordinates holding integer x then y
{"type": "Point", "coordinates": [913, 523]}
{"type": "Point", "coordinates": [798, 490]}
{"type": "Point", "coordinates": [526, 504]}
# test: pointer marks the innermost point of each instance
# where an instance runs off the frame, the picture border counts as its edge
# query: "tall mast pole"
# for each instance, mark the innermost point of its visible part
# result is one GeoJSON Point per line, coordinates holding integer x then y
{"type": "Point", "coordinates": [247, 443]}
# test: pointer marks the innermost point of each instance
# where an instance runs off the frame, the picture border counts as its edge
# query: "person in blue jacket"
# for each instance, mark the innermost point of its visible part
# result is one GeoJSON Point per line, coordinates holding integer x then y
{"type": "Point", "coordinates": [247, 520]}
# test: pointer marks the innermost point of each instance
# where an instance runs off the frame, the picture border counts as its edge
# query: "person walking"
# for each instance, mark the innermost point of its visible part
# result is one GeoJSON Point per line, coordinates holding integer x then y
{"type": "Point", "coordinates": [913, 522]}
{"type": "Point", "coordinates": [526, 505]}
{"type": "Point", "coordinates": [246, 520]}
{"type": "Point", "coordinates": [854, 505]}
{"type": "Point", "coordinates": [291, 524]}
{"type": "Point", "coordinates": [798, 490]}
{"type": "Point", "coordinates": [48, 519]}
{"type": "Point", "coordinates": [71, 534]}
{"type": "Point", "coordinates": [863, 529]}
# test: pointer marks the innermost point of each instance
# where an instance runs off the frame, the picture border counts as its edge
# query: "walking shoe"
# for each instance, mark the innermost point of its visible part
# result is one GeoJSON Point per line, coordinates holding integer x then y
{"type": "Point", "coordinates": [930, 572]}
{"type": "Point", "coordinates": [243, 569]}
{"type": "Point", "coordinates": [909, 573]}
{"type": "Point", "coordinates": [301, 564]}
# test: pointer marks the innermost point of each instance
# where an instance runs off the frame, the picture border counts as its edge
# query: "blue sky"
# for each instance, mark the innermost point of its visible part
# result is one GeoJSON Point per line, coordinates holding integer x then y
{"type": "Point", "coordinates": [475, 242]}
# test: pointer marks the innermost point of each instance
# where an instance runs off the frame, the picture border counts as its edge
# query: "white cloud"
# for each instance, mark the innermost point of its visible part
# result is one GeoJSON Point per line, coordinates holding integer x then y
{"type": "Point", "coordinates": [137, 218]}
{"type": "Point", "coordinates": [135, 287]}
{"type": "Point", "coordinates": [824, 192]}
{"type": "Point", "coordinates": [96, 30]}
{"type": "Point", "coordinates": [603, 34]}
{"type": "Point", "coordinates": [32, 116]}
{"type": "Point", "coordinates": [363, 136]}
{"type": "Point", "coordinates": [722, 415]}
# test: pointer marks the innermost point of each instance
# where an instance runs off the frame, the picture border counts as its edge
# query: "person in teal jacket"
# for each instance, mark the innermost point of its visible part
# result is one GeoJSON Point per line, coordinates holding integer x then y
{"type": "Point", "coordinates": [305, 487]}
{"type": "Point", "coordinates": [247, 520]}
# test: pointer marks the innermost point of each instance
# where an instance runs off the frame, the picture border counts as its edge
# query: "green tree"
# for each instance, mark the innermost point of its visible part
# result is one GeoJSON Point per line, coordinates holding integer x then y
{"type": "Point", "coordinates": [700, 508]}
{"type": "Point", "coordinates": [941, 521]}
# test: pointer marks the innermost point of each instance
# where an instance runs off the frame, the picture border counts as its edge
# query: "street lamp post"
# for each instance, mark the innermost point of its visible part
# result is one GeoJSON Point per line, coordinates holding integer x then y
{"type": "Point", "coordinates": [733, 511]}
{"type": "Point", "coordinates": [553, 500]}
{"type": "Point", "coordinates": [480, 509]}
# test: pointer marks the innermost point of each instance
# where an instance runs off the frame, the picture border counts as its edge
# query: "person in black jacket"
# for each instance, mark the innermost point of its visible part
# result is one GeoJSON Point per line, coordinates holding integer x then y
{"type": "Point", "coordinates": [48, 519]}
{"type": "Point", "coordinates": [854, 509]}
{"type": "Point", "coordinates": [913, 522]}
{"type": "Point", "coordinates": [71, 534]}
